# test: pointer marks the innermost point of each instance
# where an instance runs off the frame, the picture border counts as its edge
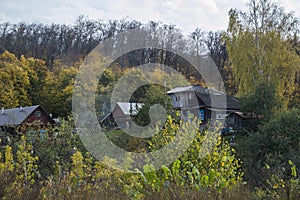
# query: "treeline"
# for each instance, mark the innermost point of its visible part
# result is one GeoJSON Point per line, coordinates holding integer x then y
{"type": "Point", "coordinates": [39, 62]}
{"type": "Point", "coordinates": [71, 43]}
{"type": "Point", "coordinates": [51, 42]}
{"type": "Point", "coordinates": [232, 50]}
{"type": "Point", "coordinates": [254, 48]}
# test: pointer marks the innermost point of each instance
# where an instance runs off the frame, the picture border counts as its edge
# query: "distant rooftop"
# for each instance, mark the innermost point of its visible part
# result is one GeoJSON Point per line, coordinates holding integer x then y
{"type": "Point", "coordinates": [209, 94]}
{"type": "Point", "coordinates": [126, 107]}
{"type": "Point", "coordinates": [15, 116]}
{"type": "Point", "coordinates": [231, 102]}
{"type": "Point", "coordinates": [190, 88]}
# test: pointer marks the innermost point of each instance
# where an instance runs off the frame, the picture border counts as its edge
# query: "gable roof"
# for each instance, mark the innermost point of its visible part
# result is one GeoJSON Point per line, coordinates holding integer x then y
{"type": "Point", "coordinates": [190, 88]}
{"type": "Point", "coordinates": [205, 95]}
{"type": "Point", "coordinates": [15, 116]}
{"type": "Point", "coordinates": [231, 101]}
{"type": "Point", "coordinates": [127, 107]}
{"type": "Point", "coordinates": [241, 114]}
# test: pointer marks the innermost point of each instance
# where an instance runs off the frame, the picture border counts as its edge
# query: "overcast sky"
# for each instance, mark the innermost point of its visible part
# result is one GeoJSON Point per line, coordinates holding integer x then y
{"type": "Point", "coordinates": [185, 14]}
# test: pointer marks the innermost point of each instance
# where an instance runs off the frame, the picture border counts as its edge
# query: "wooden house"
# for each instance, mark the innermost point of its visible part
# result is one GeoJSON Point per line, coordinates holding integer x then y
{"type": "Point", "coordinates": [24, 115]}
{"type": "Point", "coordinates": [206, 104]}
{"type": "Point", "coordinates": [26, 120]}
{"type": "Point", "coordinates": [120, 117]}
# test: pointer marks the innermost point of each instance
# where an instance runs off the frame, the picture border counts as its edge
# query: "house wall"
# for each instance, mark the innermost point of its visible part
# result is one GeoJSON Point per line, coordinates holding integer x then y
{"type": "Point", "coordinates": [207, 115]}
{"type": "Point", "coordinates": [122, 121]}
{"type": "Point", "coordinates": [185, 100]}
{"type": "Point", "coordinates": [235, 121]}
{"type": "Point", "coordinates": [175, 101]}
{"type": "Point", "coordinates": [192, 99]}
{"type": "Point", "coordinates": [117, 112]}
{"type": "Point", "coordinates": [43, 118]}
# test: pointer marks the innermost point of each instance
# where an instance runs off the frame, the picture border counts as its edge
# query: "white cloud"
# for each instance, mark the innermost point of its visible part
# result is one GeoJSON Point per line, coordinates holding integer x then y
{"type": "Point", "coordinates": [292, 5]}
{"type": "Point", "coordinates": [186, 14]}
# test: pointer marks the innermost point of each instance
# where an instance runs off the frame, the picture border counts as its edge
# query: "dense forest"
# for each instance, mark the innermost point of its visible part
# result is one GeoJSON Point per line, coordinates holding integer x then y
{"type": "Point", "coordinates": [258, 57]}
{"type": "Point", "coordinates": [56, 50]}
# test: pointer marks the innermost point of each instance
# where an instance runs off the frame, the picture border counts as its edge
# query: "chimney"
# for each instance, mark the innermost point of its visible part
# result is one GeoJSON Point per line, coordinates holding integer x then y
{"type": "Point", "coordinates": [2, 111]}
{"type": "Point", "coordinates": [21, 108]}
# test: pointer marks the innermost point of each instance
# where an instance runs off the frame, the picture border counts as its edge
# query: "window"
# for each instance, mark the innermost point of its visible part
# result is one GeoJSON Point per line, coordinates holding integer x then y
{"type": "Point", "coordinates": [231, 120]}
{"type": "Point", "coordinates": [201, 115]}
{"type": "Point", "coordinates": [37, 114]}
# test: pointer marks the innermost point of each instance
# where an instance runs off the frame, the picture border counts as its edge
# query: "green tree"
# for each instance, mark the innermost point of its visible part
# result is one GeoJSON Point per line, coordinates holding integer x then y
{"type": "Point", "coordinates": [37, 73]}
{"type": "Point", "coordinates": [58, 90]}
{"type": "Point", "coordinates": [209, 162]}
{"type": "Point", "coordinates": [267, 152]}
{"type": "Point", "coordinates": [155, 94]}
{"type": "Point", "coordinates": [260, 105]}
{"type": "Point", "coordinates": [295, 100]}
{"type": "Point", "coordinates": [14, 82]}
{"type": "Point", "coordinates": [260, 50]}
{"type": "Point", "coordinates": [104, 90]}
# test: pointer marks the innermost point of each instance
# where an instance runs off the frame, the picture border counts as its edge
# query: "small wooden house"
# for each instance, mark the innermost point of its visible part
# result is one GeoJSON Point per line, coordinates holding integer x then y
{"type": "Point", "coordinates": [24, 115]}
{"type": "Point", "coordinates": [235, 121]}
{"type": "Point", "coordinates": [25, 120]}
{"type": "Point", "coordinates": [120, 117]}
{"type": "Point", "coordinates": [206, 104]}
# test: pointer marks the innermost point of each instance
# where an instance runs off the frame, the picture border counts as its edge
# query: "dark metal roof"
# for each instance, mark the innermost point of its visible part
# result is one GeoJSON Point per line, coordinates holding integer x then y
{"type": "Point", "coordinates": [15, 116]}
{"type": "Point", "coordinates": [237, 113]}
{"type": "Point", "coordinates": [231, 101]}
